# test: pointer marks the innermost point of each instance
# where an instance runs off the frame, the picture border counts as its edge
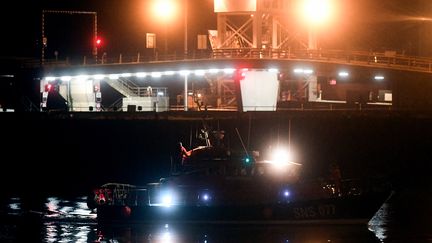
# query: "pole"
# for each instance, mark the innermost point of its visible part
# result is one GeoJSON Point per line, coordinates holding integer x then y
{"type": "Point", "coordinates": [185, 28]}
{"type": "Point", "coordinates": [289, 136]}
{"type": "Point", "coordinates": [166, 39]}
{"type": "Point", "coordinates": [95, 37]}
{"type": "Point", "coordinates": [185, 92]}
{"type": "Point", "coordinates": [43, 38]}
{"type": "Point", "coordinates": [312, 43]}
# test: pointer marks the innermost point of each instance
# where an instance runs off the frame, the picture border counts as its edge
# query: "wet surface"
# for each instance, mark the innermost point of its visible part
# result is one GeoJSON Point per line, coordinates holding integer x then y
{"type": "Point", "coordinates": [60, 219]}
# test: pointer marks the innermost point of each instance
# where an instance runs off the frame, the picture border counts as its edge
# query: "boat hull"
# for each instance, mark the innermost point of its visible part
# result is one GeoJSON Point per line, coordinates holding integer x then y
{"type": "Point", "coordinates": [338, 210]}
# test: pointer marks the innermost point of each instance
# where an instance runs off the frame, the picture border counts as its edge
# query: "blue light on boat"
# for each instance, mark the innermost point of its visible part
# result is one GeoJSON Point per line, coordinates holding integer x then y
{"type": "Point", "coordinates": [205, 197]}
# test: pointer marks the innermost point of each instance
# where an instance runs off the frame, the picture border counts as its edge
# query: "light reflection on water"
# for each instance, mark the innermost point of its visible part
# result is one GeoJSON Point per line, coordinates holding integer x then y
{"type": "Point", "coordinates": [69, 220]}
{"type": "Point", "coordinates": [378, 223]}
{"type": "Point", "coordinates": [237, 233]}
{"type": "Point", "coordinates": [67, 232]}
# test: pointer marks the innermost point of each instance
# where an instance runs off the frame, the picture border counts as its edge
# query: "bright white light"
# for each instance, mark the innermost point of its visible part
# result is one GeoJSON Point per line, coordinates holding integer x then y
{"type": "Point", "coordinates": [166, 237]}
{"type": "Point", "coordinates": [286, 193]}
{"type": "Point", "coordinates": [184, 72]}
{"type": "Point", "coordinates": [156, 74]}
{"type": "Point", "coordinates": [298, 70]}
{"type": "Point", "coordinates": [205, 197]}
{"type": "Point", "coordinates": [66, 78]}
{"type": "Point", "coordinates": [141, 74]}
{"type": "Point", "coordinates": [317, 11]}
{"type": "Point", "coordinates": [308, 71]}
{"type": "Point", "coordinates": [126, 75]}
{"type": "Point", "coordinates": [303, 71]}
{"type": "Point", "coordinates": [113, 76]}
{"type": "Point", "coordinates": [167, 200]}
{"type": "Point", "coordinates": [160, 93]}
{"type": "Point", "coordinates": [50, 79]}
{"type": "Point", "coordinates": [169, 72]}
{"type": "Point", "coordinates": [213, 70]}
{"type": "Point", "coordinates": [229, 70]}
{"type": "Point", "coordinates": [281, 157]}
{"type": "Point", "coordinates": [199, 72]}
{"type": "Point", "coordinates": [81, 77]}
{"type": "Point", "coordinates": [164, 198]}
{"type": "Point", "coordinates": [379, 77]}
{"type": "Point", "coordinates": [343, 74]}
{"type": "Point", "coordinates": [164, 9]}
{"type": "Point", "coordinates": [98, 76]}
{"type": "Point", "coordinates": [273, 70]}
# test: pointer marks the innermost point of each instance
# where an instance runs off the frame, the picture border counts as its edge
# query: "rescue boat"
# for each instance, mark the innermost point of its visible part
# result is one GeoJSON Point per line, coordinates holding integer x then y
{"type": "Point", "coordinates": [213, 185]}
{"type": "Point", "coordinates": [225, 191]}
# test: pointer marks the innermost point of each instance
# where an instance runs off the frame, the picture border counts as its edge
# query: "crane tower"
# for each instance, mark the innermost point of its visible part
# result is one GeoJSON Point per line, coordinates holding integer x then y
{"type": "Point", "coordinates": [261, 24]}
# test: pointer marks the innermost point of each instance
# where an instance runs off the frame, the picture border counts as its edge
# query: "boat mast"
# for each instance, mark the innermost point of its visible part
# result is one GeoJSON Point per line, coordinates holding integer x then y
{"type": "Point", "coordinates": [289, 135]}
{"type": "Point", "coordinates": [206, 133]}
{"type": "Point", "coordinates": [241, 140]}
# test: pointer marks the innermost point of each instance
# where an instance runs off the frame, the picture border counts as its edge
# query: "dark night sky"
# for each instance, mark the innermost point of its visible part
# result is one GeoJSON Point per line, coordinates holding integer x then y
{"type": "Point", "coordinates": [121, 24]}
{"type": "Point", "coordinates": [360, 25]}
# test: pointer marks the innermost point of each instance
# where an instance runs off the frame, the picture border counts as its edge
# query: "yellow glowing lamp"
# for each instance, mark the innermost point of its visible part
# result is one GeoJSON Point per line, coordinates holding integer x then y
{"type": "Point", "coordinates": [317, 11]}
{"type": "Point", "coordinates": [164, 9]}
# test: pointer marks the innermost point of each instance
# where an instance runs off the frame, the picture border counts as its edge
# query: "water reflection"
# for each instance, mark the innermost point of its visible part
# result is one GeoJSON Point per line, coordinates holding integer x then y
{"type": "Point", "coordinates": [55, 219]}
{"type": "Point", "coordinates": [66, 232]}
{"type": "Point", "coordinates": [61, 209]}
{"type": "Point", "coordinates": [182, 232]}
{"type": "Point", "coordinates": [378, 223]}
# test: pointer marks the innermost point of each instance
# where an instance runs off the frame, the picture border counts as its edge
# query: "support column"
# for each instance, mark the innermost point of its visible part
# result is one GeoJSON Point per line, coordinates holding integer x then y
{"type": "Point", "coordinates": [257, 30]}
{"type": "Point", "coordinates": [221, 30]}
{"type": "Point", "coordinates": [275, 34]}
{"type": "Point", "coordinates": [312, 42]}
{"type": "Point", "coordinates": [185, 92]}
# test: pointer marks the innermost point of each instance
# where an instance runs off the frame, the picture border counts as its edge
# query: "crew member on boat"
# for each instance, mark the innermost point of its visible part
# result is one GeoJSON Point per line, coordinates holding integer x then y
{"type": "Point", "coordinates": [184, 152]}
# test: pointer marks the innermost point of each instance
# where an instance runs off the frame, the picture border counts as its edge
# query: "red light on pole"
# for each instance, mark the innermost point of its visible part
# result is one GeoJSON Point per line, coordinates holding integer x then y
{"type": "Point", "coordinates": [98, 42]}
{"type": "Point", "coordinates": [240, 74]}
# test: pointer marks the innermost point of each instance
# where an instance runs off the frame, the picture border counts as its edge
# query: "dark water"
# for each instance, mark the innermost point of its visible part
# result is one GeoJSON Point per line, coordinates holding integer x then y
{"type": "Point", "coordinates": [67, 219]}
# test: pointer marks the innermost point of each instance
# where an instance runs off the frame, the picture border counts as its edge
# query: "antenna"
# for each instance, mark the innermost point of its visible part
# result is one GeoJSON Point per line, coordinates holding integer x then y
{"type": "Point", "coordinates": [289, 135]}
{"type": "Point", "coordinates": [241, 140]}
{"type": "Point", "coordinates": [205, 130]}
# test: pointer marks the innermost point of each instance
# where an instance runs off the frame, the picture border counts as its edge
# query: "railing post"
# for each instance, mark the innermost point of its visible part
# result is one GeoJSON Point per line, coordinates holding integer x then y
{"type": "Point", "coordinates": [84, 60]}
{"type": "Point", "coordinates": [138, 57]}
{"type": "Point", "coordinates": [120, 58]}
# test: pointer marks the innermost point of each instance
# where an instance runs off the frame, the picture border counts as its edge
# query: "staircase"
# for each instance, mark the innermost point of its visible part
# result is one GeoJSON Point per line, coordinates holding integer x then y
{"type": "Point", "coordinates": [124, 86]}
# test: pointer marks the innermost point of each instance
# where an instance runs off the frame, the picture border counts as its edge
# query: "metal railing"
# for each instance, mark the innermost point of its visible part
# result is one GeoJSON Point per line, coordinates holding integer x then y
{"type": "Point", "coordinates": [387, 59]}
{"type": "Point", "coordinates": [293, 106]}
